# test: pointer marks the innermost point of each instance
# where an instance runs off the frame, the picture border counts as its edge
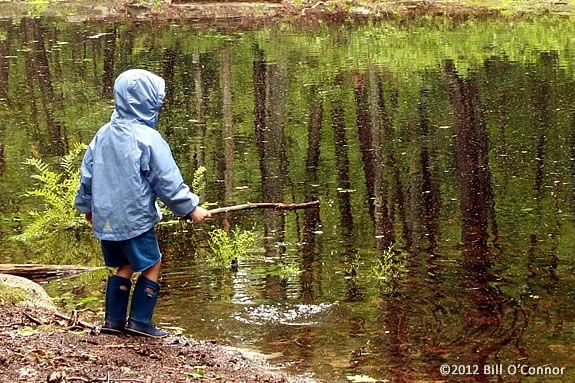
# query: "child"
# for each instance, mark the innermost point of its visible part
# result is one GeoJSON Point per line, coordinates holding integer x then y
{"type": "Point", "coordinates": [126, 166]}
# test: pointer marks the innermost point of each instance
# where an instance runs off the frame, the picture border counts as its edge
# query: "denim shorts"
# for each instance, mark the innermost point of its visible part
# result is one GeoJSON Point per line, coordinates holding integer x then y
{"type": "Point", "coordinates": [141, 252]}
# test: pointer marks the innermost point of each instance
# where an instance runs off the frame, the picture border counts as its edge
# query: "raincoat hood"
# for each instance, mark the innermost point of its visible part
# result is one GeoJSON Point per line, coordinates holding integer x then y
{"type": "Point", "coordinates": [138, 95]}
{"type": "Point", "coordinates": [128, 165]}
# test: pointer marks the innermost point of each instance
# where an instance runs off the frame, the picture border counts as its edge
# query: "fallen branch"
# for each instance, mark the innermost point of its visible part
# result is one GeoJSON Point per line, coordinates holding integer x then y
{"type": "Point", "coordinates": [74, 321]}
{"type": "Point", "coordinates": [266, 205]}
{"type": "Point", "coordinates": [37, 271]}
{"type": "Point", "coordinates": [33, 319]}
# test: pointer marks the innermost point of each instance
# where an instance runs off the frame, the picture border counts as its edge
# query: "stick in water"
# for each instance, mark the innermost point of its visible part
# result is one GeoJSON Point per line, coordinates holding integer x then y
{"type": "Point", "coordinates": [266, 205]}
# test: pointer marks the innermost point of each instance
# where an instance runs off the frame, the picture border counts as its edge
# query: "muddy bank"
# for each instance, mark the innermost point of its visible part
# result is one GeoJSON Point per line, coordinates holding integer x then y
{"type": "Point", "coordinates": [251, 14]}
{"type": "Point", "coordinates": [38, 346]}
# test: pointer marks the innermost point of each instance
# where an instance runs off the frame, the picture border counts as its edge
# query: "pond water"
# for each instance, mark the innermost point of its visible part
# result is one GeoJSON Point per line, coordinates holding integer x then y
{"type": "Point", "coordinates": [442, 151]}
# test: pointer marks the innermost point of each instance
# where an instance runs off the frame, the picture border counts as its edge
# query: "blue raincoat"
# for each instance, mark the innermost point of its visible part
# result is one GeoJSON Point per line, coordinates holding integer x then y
{"type": "Point", "coordinates": [128, 164]}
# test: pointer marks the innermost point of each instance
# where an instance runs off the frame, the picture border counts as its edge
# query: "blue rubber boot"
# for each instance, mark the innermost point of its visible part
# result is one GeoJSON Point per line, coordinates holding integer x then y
{"type": "Point", "coordinates": [117, 296]}
{"type": "Point", "coordinates": [143, 303]}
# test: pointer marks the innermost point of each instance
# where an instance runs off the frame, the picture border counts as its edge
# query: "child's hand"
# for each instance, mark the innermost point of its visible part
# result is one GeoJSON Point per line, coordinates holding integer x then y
{"type": "Point", "coordinates": [89, 217]}
{"type": "Point", "coordinates": [199, 214]}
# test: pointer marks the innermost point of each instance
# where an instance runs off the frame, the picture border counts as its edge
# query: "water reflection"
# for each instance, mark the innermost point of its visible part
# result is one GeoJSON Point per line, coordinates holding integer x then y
{"type": "Point", "coordinates": [463, 164]}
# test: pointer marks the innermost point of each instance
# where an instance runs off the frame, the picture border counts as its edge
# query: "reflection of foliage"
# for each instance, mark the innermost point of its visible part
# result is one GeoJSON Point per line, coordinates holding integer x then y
{"type": "Point", "coordinates": [85, 294]}
{"type": "Point", "coordinates": [285, 270]}
{"type": "Point", "coordinates": [37, 7]}
{"type": "Point", "coordinates": [288, 270]}
{"type": "Point", "coordinates": [226, 248]}
{"type": "Point", "coordinates": [361, 379]}
{"type": "Point", "coordinates": [199, 181]}
{"type": "Point", "coordinates": [389, 269]}
{"type": "Point", "coordinates": [352, 265]}
{"type": "Point", "coordinates": [56, 233]}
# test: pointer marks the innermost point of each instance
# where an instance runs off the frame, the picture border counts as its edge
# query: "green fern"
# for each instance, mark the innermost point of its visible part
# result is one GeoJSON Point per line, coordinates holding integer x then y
{"type": "Point", "coordinates": [56, 233]}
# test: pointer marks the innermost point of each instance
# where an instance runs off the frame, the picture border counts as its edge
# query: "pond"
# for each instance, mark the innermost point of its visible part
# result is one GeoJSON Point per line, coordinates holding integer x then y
{"type": "Point", "coordinates": [442, 152]}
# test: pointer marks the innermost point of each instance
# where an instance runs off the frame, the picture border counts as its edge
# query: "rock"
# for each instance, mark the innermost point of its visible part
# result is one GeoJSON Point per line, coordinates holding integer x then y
{"type": "Point", "coordinates": [36, 296]}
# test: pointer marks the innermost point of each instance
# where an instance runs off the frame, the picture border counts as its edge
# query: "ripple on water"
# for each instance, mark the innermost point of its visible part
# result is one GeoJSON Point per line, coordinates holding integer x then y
{"type": "Point", "coordinates": [285, 314]}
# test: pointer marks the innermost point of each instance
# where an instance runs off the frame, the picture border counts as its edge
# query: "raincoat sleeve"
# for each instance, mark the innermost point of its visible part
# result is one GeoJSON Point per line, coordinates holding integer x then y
{"type": "Point", "coordinates": [165, 178]}
{"type": "Point", "coordinates": [83, 201]}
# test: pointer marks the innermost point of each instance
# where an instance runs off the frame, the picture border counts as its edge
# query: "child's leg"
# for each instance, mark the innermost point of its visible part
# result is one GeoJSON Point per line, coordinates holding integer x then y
{"type": "Point", "coordinates": [117, 288]}
{"type": "Point", "coordinates": [144, 256]}
{"type": "Point", "coordinates": [125, 271]}
{"type": "Point", "coordinates": [143, 304]}
{"type": "Point", "coordinates": [117, 296]}
{"type": "Point", "coordinates": [153, 273]}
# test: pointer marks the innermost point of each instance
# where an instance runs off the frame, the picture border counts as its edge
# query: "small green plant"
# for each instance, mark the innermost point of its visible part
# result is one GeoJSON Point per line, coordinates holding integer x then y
{"type": "Point", "coordinates": [225, 248]}
{"type": "Point", "coordinates": [199, 181]}
{"type": "Point", "coordinates": [389, 269]}
{"type": "Point", "coordinates": [56, 232]}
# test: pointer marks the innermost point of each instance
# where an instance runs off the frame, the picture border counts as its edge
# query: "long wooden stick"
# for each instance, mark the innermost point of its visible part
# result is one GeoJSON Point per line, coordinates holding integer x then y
{"type": "Point", "coordinates": [266, 205]}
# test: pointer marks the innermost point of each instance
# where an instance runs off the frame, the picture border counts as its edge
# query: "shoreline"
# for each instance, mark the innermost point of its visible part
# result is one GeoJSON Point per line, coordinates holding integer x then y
{"type": "Point", "coordinates": [40, 346]}
{"type": "Point", "coordinates": [253, 14]}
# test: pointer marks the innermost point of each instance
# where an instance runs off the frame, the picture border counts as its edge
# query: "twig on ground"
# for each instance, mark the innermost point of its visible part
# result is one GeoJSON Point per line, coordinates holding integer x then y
{"type": "Point", "coordinates": [119, 346]}
{"type": "Point", "coordinates": [33, 318]}
{"type": "Point", "coordinates": [78, 323]}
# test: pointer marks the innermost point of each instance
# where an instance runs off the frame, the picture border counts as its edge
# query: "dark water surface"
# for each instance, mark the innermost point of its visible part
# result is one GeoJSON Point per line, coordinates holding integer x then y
{"type": "Point", "coordinates": [452, 141]}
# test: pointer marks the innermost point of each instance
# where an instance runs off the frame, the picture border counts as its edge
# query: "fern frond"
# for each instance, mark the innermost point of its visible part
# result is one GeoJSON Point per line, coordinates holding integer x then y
{"type": "Point", "coordinates": [43, 172]}
{"type": "Point", "coordinates": [69, 161]}
{"type": "Point", "coordinates": [51, 198]}
{"type": "Point", "coordinates": [55, 230]}
{"type": "Point", "coordinates": [40, 165]}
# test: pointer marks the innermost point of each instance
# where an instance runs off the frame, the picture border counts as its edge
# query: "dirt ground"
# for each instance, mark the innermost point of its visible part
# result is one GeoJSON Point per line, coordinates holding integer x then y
{"type": "Point", "coordinates": [38, 346]}
{"type": "Point", "coordinates": [240, 14]}
{"type": "Point", "coordinates": [250, 12]}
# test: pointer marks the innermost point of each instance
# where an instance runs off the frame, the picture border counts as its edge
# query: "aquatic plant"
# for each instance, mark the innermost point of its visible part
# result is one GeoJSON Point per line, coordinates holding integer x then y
{"type": "Point", "coordinates": [226, 248]}
{"type": "Point", "coordinates": [56, 233]}
{"type": "Point", "coordinates": [199, 180]}
{"type": "Point", "coordinates": [389, 270]}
